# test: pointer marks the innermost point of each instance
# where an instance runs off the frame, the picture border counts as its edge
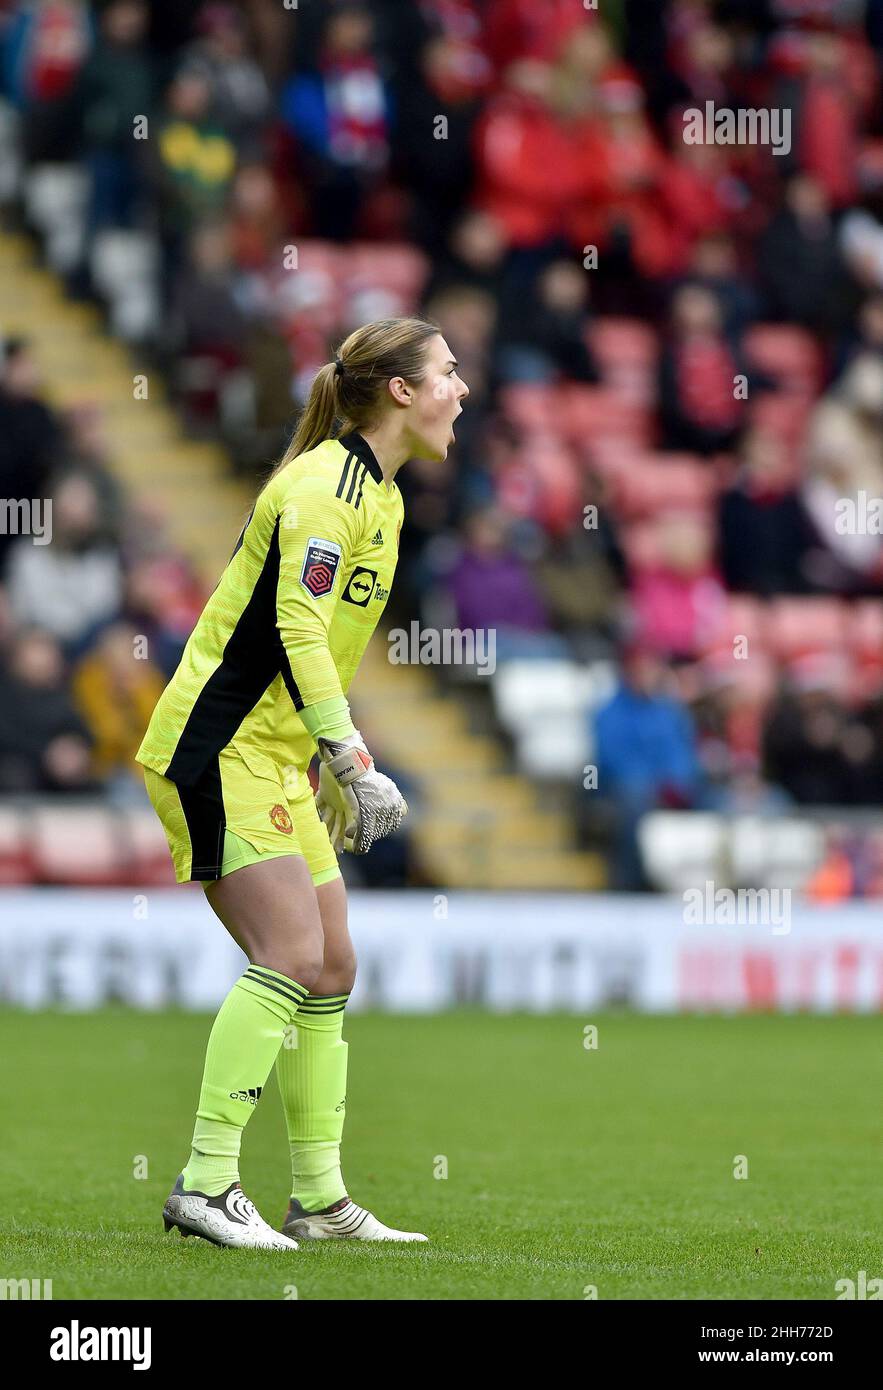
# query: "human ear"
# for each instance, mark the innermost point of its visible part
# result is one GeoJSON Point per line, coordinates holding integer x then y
{"type": "Point", "coordinates": [400, 390]}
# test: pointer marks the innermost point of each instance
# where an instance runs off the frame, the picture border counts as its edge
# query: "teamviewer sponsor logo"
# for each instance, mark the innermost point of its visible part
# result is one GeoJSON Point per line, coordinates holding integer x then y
{"type": "Point", "coordinates": [76, 1343]}
{"type": "Point", "coordinates": [361, 586]}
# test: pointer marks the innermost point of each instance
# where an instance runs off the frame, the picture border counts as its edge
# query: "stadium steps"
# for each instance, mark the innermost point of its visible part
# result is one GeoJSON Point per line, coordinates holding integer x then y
{"type": "Point", "coordinates": [184, 481]}
{"type": "Point", "coordinates": [480, 824]}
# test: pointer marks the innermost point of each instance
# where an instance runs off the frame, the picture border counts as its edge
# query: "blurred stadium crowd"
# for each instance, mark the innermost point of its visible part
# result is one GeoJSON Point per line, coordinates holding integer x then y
{"type": "Point", "coordinates": [677, 597]}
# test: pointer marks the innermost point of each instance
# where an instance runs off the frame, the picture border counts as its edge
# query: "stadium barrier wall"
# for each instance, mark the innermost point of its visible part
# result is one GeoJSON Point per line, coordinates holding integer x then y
{"type": "Point", "coordinates": [425, 952]}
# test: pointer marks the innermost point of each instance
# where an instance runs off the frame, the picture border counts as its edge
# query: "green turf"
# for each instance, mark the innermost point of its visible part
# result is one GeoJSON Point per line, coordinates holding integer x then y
{"type": "Point", "coordinates": [565, 1167]}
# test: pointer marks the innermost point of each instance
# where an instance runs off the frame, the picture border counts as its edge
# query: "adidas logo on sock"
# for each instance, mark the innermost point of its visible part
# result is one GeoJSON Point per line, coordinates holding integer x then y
{"type": "Point", "coordinates": [377, 538]}
{"type": "Point", "coordinates": [251, 1096]}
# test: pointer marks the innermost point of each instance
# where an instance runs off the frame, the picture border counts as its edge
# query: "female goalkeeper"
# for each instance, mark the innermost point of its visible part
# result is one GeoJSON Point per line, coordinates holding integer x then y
{"type": "Point", "coordinates": [261, 685]}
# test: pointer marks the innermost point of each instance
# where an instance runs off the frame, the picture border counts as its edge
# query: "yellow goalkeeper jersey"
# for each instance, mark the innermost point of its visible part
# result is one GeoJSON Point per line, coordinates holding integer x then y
{"type": "Point", "coordinates": [290, 618]}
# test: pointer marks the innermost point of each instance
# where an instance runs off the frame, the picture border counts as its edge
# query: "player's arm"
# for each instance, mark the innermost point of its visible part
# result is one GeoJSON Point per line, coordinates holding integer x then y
{"type": "Point", "coordinates": [318, 534]}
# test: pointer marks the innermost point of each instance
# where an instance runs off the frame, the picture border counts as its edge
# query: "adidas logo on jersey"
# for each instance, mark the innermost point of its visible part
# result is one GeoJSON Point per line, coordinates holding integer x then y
{"type": "Point", "coordinates": [377, 539]}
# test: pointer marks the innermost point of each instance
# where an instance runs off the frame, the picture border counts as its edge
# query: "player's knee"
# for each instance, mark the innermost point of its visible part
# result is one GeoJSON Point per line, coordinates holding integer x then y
{"type": "Point", "coordinates": [339, 973]}
{"type": "Point", "coordinates": [299, 957]}
{"type": "Point", "coordinates": [303, 965]}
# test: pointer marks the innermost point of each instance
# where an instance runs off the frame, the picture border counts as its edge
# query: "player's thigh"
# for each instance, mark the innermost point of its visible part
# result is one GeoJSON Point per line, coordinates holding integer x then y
{"type": "Point", "coordinates": [270, 909]}
{"type": "Point", "coordinates": [264, 893]}
{"type": "Point", "coordinates": [339, 967]}
{"type": "Point", "coordinates": [339, 960]}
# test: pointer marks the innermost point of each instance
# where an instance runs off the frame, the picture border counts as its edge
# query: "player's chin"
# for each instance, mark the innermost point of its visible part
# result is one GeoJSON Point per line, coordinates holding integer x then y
{"type": "Point", "coordinates": [436, 451]}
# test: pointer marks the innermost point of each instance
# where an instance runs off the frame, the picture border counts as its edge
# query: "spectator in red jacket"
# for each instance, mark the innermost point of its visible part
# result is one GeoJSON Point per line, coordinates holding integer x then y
{"type": "Point", "coordinates": [622, 170]}
{"type": "Point", "coordinates": [516, 29]}
{"type": "Point", "coordinates": [699, 405]}
{"type": "Point", "coordinates": [526, 175]}
{"type": "Point", "coordinates": [828, 125]}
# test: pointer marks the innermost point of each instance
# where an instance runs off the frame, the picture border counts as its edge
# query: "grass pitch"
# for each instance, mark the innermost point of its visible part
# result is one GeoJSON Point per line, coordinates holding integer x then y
{"type": "Point", "coordinates": [567, 1168]}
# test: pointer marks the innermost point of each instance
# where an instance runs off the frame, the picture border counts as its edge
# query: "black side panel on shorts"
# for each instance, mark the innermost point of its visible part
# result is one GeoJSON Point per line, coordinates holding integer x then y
{"type": "Point", "coordinates": [253, 657]}
{"type": "Point", "coordinates": [203, 807]}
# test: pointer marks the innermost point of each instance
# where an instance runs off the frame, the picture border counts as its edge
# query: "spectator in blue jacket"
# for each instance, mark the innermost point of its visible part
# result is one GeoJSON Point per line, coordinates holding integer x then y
{"type": "Point", "coordinates": [646, 757]}
{"type": "Point", "coordinates": [339, 113]}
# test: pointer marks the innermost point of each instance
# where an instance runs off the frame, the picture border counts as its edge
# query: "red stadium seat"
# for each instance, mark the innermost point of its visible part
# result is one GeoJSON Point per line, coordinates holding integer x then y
{"type": "Point", "coordinates": [653, 483]}
{"type": "Point", "coordinates": [610, 454]}
{"type": "Point", "coordinates": [626, 351]}
{"type": "Point", "coordinates": [735, 653]}
{"type": "Point", "coordinates": [531, 406]}
{"type": "Point", "coordinates": [78, 845]}
{"type": "Point", "coordinates": [397, 267]}
{"type": "Point", "coordinates": [865, 626]}
{"type": "Point", "coordinates": [791, 355]}
{"type": "Point", "coordinates": [16, 864]}
{"type": "Point", "coordinates": [806, 625]}
{"type": "Point", "coordinates": [864, 635]}
{"type": "Point", "coordinates": [590, 413]}
{"type": "Point", "coordinates": [746, 617]}
{"type": "Point", "coordinates": [148, 850]}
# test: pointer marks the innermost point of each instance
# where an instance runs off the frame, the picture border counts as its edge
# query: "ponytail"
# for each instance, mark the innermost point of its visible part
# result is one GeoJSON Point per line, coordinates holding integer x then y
{"type": "Point", "coordinates": [318, 415]}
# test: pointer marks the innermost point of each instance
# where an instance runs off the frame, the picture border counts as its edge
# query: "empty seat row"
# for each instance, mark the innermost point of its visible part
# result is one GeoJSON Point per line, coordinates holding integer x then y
{"type": "Point", "coordinates": [82, 843]}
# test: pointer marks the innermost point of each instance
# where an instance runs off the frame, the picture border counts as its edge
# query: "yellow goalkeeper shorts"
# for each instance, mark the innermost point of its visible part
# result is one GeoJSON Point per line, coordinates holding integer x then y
{"type": "Point", "coordinates": [239, 813]}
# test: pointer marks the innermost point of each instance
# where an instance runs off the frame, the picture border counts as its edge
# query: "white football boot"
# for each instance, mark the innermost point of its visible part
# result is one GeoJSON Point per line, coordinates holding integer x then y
{"type": "Point", "coordinates": [230, 1219]}
{"type": "Point", "coordinates": [345, 1220]}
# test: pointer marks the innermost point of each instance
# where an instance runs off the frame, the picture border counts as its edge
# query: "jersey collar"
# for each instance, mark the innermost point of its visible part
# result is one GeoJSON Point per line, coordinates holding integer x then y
{"type": "Point", "coordinates": [355, 444]}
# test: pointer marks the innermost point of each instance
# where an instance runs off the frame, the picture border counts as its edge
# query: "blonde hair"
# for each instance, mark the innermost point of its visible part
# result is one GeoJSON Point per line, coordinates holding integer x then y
{"type": "Point", "coordinates": [346, 393]}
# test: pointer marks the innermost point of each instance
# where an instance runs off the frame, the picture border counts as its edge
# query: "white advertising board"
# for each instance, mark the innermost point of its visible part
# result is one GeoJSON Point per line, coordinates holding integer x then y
{"type": "Point", "coordinates": [421, 952]}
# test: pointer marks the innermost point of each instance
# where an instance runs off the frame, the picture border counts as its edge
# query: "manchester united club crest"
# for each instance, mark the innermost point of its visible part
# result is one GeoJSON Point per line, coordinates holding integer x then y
{"type": "Point", "coordinates": [281, 820]}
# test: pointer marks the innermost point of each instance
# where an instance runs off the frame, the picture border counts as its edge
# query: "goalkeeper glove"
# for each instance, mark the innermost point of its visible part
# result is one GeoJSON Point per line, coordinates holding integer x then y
{"type": "Point", "coordinates": [357, 804]}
